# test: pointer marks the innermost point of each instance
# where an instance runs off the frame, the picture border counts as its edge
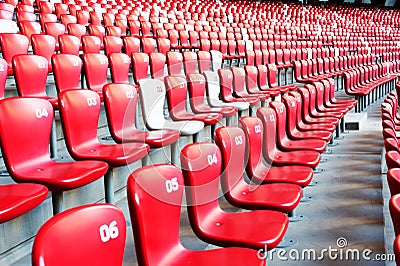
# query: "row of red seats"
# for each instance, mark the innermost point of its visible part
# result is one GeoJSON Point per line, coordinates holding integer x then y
{"type": "Point", "coordinates": [391, 124]}
{"type": "Point", "coordinates": [156, 198]}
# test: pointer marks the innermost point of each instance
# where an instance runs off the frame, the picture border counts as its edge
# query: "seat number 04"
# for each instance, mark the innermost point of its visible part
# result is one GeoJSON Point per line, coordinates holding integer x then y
{"type": "Point", "coordinates": [108, 232]}
{"type": "Point", "coordinates": [41, 113]}
{"type": "Point", "coordinates": [212, 159]}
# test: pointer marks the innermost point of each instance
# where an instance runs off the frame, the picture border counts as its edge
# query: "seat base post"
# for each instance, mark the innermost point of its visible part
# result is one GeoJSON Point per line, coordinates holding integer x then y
{"type": "Point", "coordinates": [175, 153]}
{"type": "Point", "coordinates": [146, 160]}
{"type": "Point", "coordinates": [57, 200]}
{"type": "Point", "coordinates": [53, 140]}
{"type": "Point", "coordinates": [109, 186]}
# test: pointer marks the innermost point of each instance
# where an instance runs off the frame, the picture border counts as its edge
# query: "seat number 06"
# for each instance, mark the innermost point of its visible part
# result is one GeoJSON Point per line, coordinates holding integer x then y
{"type": "Point", "coordinates": [108, 232]}
{"type": "Point", "coordinates": [171, 185]}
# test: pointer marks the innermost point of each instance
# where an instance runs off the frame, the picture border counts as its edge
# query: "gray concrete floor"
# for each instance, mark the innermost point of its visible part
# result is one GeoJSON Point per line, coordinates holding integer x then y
{"type": "Point", "coordinates": [346, 214]}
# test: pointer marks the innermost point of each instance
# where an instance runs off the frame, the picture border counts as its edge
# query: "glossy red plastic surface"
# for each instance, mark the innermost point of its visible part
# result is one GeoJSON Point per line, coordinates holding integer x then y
{"type": "Point", "coordinates": [201, 167]}
{"type": "Point", "coordinates": [17, 199]}
{"type": "Point", "coordinates": [150, 198]}
{"type": "Point", "coordinates": [80, 132]}
{"type": "Point", "coordinates": [277, 196]}
{"type": "Point", "coordinates": [91, 234]}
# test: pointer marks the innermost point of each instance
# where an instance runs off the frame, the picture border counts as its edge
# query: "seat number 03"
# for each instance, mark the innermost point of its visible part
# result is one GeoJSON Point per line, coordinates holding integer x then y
{"type": "Point", "coordinates": [108, 232]}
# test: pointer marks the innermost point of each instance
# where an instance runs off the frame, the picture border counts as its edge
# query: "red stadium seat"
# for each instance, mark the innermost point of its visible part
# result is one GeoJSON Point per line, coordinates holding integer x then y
{"type": "Point", "coordinates": [201, 167]}
{"type": "Point", "coordinates": [30, 73]}
{"type": "Point", "coordinates": [112, 44]}
{"type": "Point", "coordinates": [226, 78]}
{"type": "Point", "coordinates": [120, 65]}
{"type": "Point", "coordinates": [44, 45]}
{"type": "Point", "coordinates": [77, 30]}
{"type": "Point", "coordinates": [157, 65]}
{"type": "Point", "coordinates": [175, 63]}
{"type": "Point", "coordinates": [271, 153]}
{"type": "Point", "coordinates": [204, 61]}
{"type": "Point", "coordinates": [55, 29]}
{"type": "Point", "coordinates": [91, 44]}
{"type": "Point", "coordinates": [140, 66]}
{"type": "Point", "coordinates": [26, 155]}
{"type": "Point", "coordinates": [67, 71]}
{"type": "Point", "coordinates": [69, 44]}
{"type": "Point", "coordinates": [288, 123]}
{"type": "Point", "coordinates": [197, 88]}
{"type": "Point", "coordinates": [261, 170]}
{"type": "Point", "coordinates": [17, 199]}
{"type": "Point", "coordinates": [131, 44]}
{"type": "Point", "coordinates": [13, 44]}
{"type": "Point", "coordinates": [158, 190]}
{"type": "Point", "coordinates": [3, 77]}
{"type": "Point", "coordinates": [282, 197]}
{"type": "Point", "coordinates": [81, 135]}
{"type": "Point", "coordinates": [96, 68]}
{"type": "Point", "coordinates": [285, 143]}
{"type": "Point", "coordinates": [149, 45]}
{"type": "Point", "coordinates": [190, 64]}
{"type": "Point", "coordinates": [59, 241]}
{"type": "Point", "coordinates": [120, 103]}
{"type": "Point", "coordinates": [176, 97]}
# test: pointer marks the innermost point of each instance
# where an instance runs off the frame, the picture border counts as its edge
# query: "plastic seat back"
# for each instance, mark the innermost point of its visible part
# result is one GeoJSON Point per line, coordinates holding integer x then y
{"type": "Point", "coordinates": [13, 44]}
{"type": "Point", "coordinates": [149, 45]}
{"type": "Point", "coordinates": [96, 67]}
{"type": "Point", "coordinates": [113, 31]}
{"type": "Point", "coordinates": [176, 96]}
{"type": "Point", "coordinates": [112, 44]}
{"type": "Point", "coordinates": [67, 71]}
{"type": "Point", "coordinates": [266, 126]}
{"type": "Point", "coordinates": [253, 129]}
{"type": "Point", "coordinates": [204, 61]}
{"type": "Point", "coordinates": [131, 45]}
{"type": "Point", "coordinates": [30, 73]}
{"type": "Point", "coordinates": [164, 45]}
{"type": "Point", "coordinates": [44, 18]}
{"type": "Point", "coordinates": [69, 44]}
{"type": "Point", "coordinates": [155, 191]}
{"type": "Point", "coordinates": [54, 29]}
{"type": "Point", "coordinates": [157, 65]}
{"type": "Point", "coordinates": [120, 65]}
{"type": "Point", "coordinates": [3, 77]}
{"type": "Point", "coordinates": [92, 233]}
{"type": "Point", "coordinates": [226, 80]}
{"type": "Point", "coordinates": [79, 131]}
{"type": "Point", "coordinates": [97, 30]}
{"type": "Point", "coordinates": [232, 144]}
{"type": "Point", "coordinates": [30, 27]}
{"type": "Point", "coordinates": [91, 44]}
{"type": "Point", "coordinates": [196, 89]}
{"type": "Point", "coordinates": [140, 66]}
{"type": "Point", "coordinates": [286, 118]}
{"type": "Point", "coordinates": [201, 168]}
{"type": "Point", "coordinates": [22, 149]}
{"type": "Point", "coordinates": [174, 63]}
{"type": "Point", "coordinates": [190, 62]}
{"type": "Point", "coordinates": [120, 101]}
{"type": "Point", "coordinates": [68, 19]}
{"type": "Point", "coordinates": [43, 45]}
